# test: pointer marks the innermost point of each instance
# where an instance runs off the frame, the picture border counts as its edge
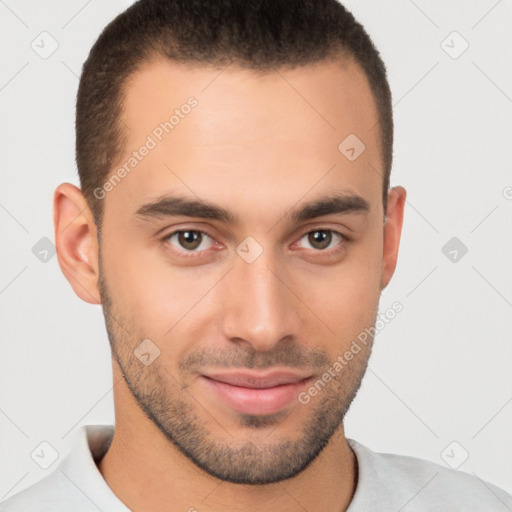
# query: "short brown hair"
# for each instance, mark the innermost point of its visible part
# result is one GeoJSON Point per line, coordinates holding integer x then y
{"type": "Point", "coordinates": [255, 34]}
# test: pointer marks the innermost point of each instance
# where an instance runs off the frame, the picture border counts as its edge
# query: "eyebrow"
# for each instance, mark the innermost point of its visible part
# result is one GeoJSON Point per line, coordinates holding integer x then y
{"type": "Point", "coordinates": [172, 206]}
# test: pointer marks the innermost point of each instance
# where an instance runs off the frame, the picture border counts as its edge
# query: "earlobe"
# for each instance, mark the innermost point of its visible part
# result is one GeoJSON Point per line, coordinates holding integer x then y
{"type": "Point", "coordinates": [392, 232]}
{"type": "Point", "coordinates": [76, 241]}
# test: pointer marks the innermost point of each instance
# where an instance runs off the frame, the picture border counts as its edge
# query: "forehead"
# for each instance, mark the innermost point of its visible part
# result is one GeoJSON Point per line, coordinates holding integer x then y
{"type": "Point", "coordinates": [271, 136]}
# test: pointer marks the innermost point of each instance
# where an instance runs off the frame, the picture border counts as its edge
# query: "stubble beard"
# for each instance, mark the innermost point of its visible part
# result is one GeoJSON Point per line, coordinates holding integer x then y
{"type": "Point", "coordinates": [234, 458]}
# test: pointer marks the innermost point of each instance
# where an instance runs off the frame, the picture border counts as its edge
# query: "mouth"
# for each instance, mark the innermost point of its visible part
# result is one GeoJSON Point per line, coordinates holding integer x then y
{"type": "Point", "coordinates": [256, 393]}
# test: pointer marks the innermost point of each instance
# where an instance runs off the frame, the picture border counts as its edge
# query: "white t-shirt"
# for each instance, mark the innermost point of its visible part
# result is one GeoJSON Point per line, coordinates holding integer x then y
{"type": "Point", "coordinates": [386, 483]}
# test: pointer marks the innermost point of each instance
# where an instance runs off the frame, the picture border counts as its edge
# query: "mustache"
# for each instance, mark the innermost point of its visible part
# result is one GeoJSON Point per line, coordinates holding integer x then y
{"type": "Point", "coordinates": [289, 355]}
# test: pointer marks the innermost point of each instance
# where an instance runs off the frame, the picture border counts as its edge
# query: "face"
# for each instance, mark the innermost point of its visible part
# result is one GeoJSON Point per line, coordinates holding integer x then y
{"type": "Point", "coordinates": [241, 255]}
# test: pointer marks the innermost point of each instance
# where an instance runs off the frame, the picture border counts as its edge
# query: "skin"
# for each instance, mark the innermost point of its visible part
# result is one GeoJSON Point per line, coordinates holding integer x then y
{"type": "Point", "coordinates": [258, 148]}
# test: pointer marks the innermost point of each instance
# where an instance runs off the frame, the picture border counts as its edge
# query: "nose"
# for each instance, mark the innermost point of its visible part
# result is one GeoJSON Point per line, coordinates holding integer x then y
{"type": "Point", "coordinates": [260, 307]}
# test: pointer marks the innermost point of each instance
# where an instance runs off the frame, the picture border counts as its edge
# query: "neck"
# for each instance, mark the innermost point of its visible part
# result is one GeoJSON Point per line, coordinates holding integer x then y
{"type": "Point", "coordinates": [148, 473]}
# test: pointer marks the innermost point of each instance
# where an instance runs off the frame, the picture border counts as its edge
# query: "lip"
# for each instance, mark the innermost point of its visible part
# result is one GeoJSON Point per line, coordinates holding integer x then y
{"type": "Point", "coordinates": [256, 393]}
{"type": "Point", "coordinates": [257, 380]}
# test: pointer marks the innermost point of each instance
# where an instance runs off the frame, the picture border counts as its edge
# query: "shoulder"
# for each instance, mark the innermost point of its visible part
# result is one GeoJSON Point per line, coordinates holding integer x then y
{"type": "Point", "coordinates": [415, 484]}
{"type": "Point", "coordinates": [43, 495]}
{"type": "Point", "coordinates": [75, 484]}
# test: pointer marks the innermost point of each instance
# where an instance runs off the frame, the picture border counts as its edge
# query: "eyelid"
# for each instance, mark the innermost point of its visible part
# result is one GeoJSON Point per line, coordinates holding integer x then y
{"type": "Point", "coordinates": [344, 239]}
{"type": "Point", "coordinates": [183, 252]}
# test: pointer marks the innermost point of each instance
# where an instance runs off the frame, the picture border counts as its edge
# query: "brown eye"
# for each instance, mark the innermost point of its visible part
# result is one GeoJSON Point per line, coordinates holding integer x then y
{"type": "Point", "coordinates": [322, 239]}
{"type": "Point", "coordinates": [189, 240]}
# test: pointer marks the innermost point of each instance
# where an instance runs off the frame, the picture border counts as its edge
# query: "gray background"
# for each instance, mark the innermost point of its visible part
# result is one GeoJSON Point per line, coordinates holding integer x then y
{"type": "Point", "coordinates": [439, 384]}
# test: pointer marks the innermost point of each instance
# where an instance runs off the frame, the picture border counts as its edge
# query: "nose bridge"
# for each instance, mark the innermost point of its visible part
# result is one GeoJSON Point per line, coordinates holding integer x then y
{"type": "Point", "coordinates": [260, 309]}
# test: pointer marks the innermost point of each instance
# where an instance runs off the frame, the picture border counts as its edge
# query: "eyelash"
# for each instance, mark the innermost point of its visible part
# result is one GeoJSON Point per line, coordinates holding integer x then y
{"type": "Point", "coordinates": [195, 253]}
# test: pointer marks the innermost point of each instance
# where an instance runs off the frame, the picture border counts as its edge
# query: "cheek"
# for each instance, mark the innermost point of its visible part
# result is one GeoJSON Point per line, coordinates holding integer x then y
{"type": "Point", "coordinates": [151, 294]}
{"type": "Point", "coordinates": [346, 295]}
{"type": "Point", "coordinates": [362, 282]}
{"type": "Point", "coordinates": [139, 291]}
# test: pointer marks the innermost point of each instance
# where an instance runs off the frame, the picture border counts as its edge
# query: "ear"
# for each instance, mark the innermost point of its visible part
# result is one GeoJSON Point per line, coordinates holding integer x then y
{"type": "Point", "coordinates": [76, 241]}
{"type": "Point", "coordinates": [392, 231]}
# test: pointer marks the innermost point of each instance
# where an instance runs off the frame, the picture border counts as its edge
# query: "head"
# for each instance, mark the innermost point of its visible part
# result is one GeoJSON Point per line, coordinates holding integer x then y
{"type": "Point", "coordinates": [234, 215]}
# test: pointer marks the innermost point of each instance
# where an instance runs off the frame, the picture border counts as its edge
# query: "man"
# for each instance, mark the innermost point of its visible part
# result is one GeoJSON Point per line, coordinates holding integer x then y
{"type": "Point", "coordinates": [238, 236]}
